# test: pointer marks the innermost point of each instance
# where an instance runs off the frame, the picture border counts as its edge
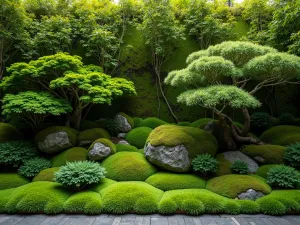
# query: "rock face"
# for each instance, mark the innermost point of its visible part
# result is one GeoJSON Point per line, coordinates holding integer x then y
{"type": "Point", "coordinates": [123, 142]}
{"type": "Point", "coordinates": [251, 194]}
{"type": "Point", "coordinates": [174, 158]}
{"type": "Point", "coordinates": [99, 152]}
{"type": "Point", "coordinates": [232, 156]}
{"type": "Point", "coordinates": [122, 123]}
{"type": "Point", "coordinates": [55, 142]}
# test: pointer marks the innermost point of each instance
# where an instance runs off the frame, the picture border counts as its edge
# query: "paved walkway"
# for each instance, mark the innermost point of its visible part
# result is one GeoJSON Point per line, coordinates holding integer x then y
{"type": "Point", "coordinates": [155, 219]}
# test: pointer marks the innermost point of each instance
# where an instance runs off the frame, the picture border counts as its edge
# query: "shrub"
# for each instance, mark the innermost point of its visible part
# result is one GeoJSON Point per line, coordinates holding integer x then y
{"type": "Point", "coordinates": [283, 176]}
{"type": "Point", "coordinates": [14, 153]}
{"type": "Point", "coordinates": [128, 166]}
{"type": "Point", "coordinates": [37, 197]}
{"type": "Point", "coordinates": [138, 136]}
{"type": "Point", "coordinates": [232, 185]}
{"type": "Point", "coordinates": [124, 197]}
{"type": "Point", "coordinates": [205, 164]}
{"type": "Point", "coordinates": [78, 175]}
{"type": "Point", "coordinates": [292, 155]}
{"type": "Point", "coordinates": [260, 121]}
{"type": "Point", "coordinates": [9, 133]}
{"type": "Point", "coordinates": [11, 180]}
{"type": "Point", "coordinates": [170, 181]}
{"type": "Point", "coordinates": [87, 137]}
{"type": "Point", "coordinates": [286, 119]}
{"type": "Point", "coordinates": [153, 122]}
{"type": "Point", "coordinates": [87, 202]}
{"type": "Point", "coordinates": [69, 155]}
{"type": "Point", "coordinates": [33, 166]}
{"type": "Point", "coordinates": [239, 167]}
{"type": "Point", "coordinates": [271, 206]}
{"type": "Point", "coordinates": [248, 207]}
{"type": "Point", "coordinates": [46, 174]}
{"type": "Point", "coordinates": [266, 154]}
{"type": "Point", "coordinates": [112, 127]}
{"type": "Point", "coordinates": [126, 148]}
{"type": "Point", "coordinates": [263, 170]}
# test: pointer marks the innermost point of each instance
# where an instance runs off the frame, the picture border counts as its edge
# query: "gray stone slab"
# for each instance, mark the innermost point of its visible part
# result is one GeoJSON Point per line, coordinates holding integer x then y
{"type": "Point", "coordinates": [180, 220]}
{"type": "Point", "coordinates": [242, 221]}
{"type": "Point", "coordinates": [207, 221]}
{"type": "Point", "coordinates": [3, 218]}
{"type": "Point", "coordinates": [279, 221]}
{"type": "Point", "coordinates": [224, 221]}
{"type": "Point", "coordinates": [139, 220]}
{"type": "Point", "coordinates": [266, 220]}
{"type": "Point", "coordinates": [32, 220]}
{"type": "Point", "coordinates": [147, 220]}
{"type": "Point", "coordinates": [188, 221]}
{"type": "Point", "coordinates": [52, 220]}
{"type": "Point", "coordinates": [159, 221]}
{"type": "Point", "coordinates": [293, 219]}
{"type": "Point", "coordinates": [197, 221]}
{"type": "Point", "coordinates": [13, 220]}
{"type": "Point", "coordinates": [117, 221]}
{"type": "Point", "coordinates": [172, 220]}
{"type": "Point", "coordinates": [82, 220]}
{"type": "Point", "coordinates": [103, 221]}
{"type": "Point", "coordinates": [257, 221]}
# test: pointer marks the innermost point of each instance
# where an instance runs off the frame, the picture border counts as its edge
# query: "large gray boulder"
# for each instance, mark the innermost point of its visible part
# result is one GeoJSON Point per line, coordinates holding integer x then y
{"type": "Point", "coordinates": [232, 156]}
{"type": "Point", "coordinates": [124, 122]}
{"type": "Point", "coordinates": [250, 194]}
{"type": "Point", "coordinates": [174, 158]}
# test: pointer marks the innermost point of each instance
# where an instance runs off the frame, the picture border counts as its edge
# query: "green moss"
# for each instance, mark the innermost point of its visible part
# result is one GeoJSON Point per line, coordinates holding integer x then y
{"type": "Point", "coordinates": [232, 207]}
{"type": "Point", "coordinates": [271, 206]}
{"type": "Point", "coordinates": [196, 141]}
{"type": "Point", "coordinates": [87, 202]}
{"type": "Point", "coordinates": [4, 197]}
{"type": "Point", "coordinates": [171, 181]}
{"type": "Point", "coordinates": [263, 170]}
{"type": "Point", "coordinates": [248, 207]}
{"type": "Point", "coordinates": [198, 122]}
{"type": "Point", "coordinates": [128, 118]}
{"type": "Point", "coordinates": [128, 166]}
{"type": "Point", "coordinates": [241, 28]}
{"type": "Point", "coordinates": [281, 135]}
{"type": "Point", "coordinates": [9, 133]}
{"type": "Point", "coordinates": [87, 137]}
{"type": "Point", "coordinates": [138, 122]}
{"type": "Point", "coordinates": [37, 197]}
{"type": "Point", "coordinates": [124, 197]}
{"type": "Point", "coordinates": [138, 136]}
{"type": "Point", "coordinates": [232, 185]}
{"type": "Point", "coordinates": [107, 143]}
{"type": "Point", "coordinates": [271, 154]}
{"type": "Point", "coordinates": [126, 148]}
{"type": "Point", "coordinates": [70, 155]}
{"type": "Point", "coordinates": [153, 122]}
{"type": "Point", "coordinates": [224, 165]}
{"type": "Point", "coordinates": [105, 182]}
{"type": "Point", "coordinates": [46, 175]}
{"type": "Point", "coordinates": [11, 180]}
{"type": "Point", "coordinates": [187, 124]}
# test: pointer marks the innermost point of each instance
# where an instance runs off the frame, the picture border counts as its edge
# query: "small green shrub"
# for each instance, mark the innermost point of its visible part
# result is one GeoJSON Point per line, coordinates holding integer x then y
{"type": "Point", "coordinates": [286, 119]}
{"type": "Point", "coordinates": [78, 175]}
{"type": "Point", "coordinates": [262, 171]}
{"type": "Point", "coordinates": [33, 166]}
{"type": "Point", "coordinates": [153, 122]}
{"type": "Point", "coordinates": [271, 206]}
{"type": "Point", "coordinates": [171, 181]}
{"type": "Point", "coordinates": [87, 202]}
{"type": "Point", "coordinates": [248, 207]}
{"type": "Point", "coordinates": [283, 176]}
{"type": "Point", "coordinates": [205, 164]}
{"type": "Point", "coordinates": [126, 148]}
{"type": "Point", "coordinates": [260, 121]}
{"type": "Point", "coordinates": [15, 153]}
{"type": "Point", "coordinates": [11, 180]}
{"type": "Point", "coordinates": [292, 155]}
{"type": "Point", "coordinates": [138, 136]}
{"type": "Point", "coordinates": [239, 167]}
{"type": "Point", "coordinates": [69, 155]}
{"type": "Point", "coordinates": [46, 174]}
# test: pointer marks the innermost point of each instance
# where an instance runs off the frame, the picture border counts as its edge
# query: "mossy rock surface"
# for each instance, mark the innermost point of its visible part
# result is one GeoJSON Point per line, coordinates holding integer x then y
{"type": "Point", "coordinates": [100, 149]}
{"type": "Point", "coordinates": [70, 155]}
{"type": "Point", "coordinates": [138, 136]}
{"type": "Point", "coordinates": [153, 122]}
{"type": "Point", "coordinates": [104, 183]}
{"type": "Point", "coordinates": [56, 139]}
{"type": "Point", "coordinates": [134, 196]}
{"type": "Point", "coordinates": [11, 180]}
{"type": "Point", "coordinates": [9, 133]}
{"type": "Point", "coordinates": [232, 185]}
{"type": "Point", "coordinates": [281, 135]}
{"type": "Point", "coordinates": [87, 137]}
{"type": "Point", "coordinates": [198, 122]}
{"type": "Point", "coordinates": [138, 122]}
{"type": "Point", "coordinates": [224, 165]}
{"type": "Point", "coordinates": [263, 170]}
{"type": "Point", "coordinates": [128, 166]}
{"type": "Point", "coordinates": [171, 181]}
{"type": "Point", "coordinates": [126, 148]}
{"type": "Point", "coordinates": [265, 154]}
{"type": "Point", "coordinates": [124, 123]}
{"type": "Point", "coordinates": [46, 175]}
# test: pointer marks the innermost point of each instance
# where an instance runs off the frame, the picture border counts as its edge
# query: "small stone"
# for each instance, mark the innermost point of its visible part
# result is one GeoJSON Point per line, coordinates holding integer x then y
{"type": "Point", "coordinates": [251, 194]}
{"type": "Point", "coordinates": [122, 135]}
{"type": "Point", "coordinates": [259, 159]}
{"type": "Point", "coordinates": [99, 152]}
{"type": "Point", "coordinates": [122, 123]}
{"type": "Point", "coordinates": [123, 142]}
{"type": "Point", "coordinates": [232, 156]}
{"type": "Point", "coordinates": [55, 142]}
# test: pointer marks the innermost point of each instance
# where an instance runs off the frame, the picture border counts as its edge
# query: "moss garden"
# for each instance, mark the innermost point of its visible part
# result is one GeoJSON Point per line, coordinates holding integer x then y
{"type": "Point", "coordinates": [147, 106]}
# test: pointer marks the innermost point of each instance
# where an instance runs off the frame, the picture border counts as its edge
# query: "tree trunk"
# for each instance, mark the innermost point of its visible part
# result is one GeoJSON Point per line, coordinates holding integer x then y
{"type": "Point", "coordinates": [76, 118]}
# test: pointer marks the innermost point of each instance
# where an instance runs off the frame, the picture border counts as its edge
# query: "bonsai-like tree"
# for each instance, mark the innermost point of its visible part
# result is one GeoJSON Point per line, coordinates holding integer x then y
{"type": "Point", "coordinates": [219, 77]}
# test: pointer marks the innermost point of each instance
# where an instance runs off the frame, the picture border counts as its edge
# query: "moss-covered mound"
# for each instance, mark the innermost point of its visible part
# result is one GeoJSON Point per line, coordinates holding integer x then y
{"type": "Point", "coordinates": [138, 122]}
{"type": "Point", "coordinates": [36, 197]}
{"type": "Point", "coordinates": [87, 137]}
{"type": "Point", "coordinates": [138, 136]}
{"type": "Point", "coordinates": [153, 122]}
{"type": "Point", "coordinates": [4, 197]}
{"type": "Point", "coordinates": [126, 148]}
{"type": "Point", "coordinates": [70, 155]}
{"type": "Point", "coordinates": [265, 154]}
{"type": "Point", "coordinates": [171, 181]}
{"type": "Point", "coordinates": [185, 124]}
{"type": "Point", "coordinates": [281, 135]}
{"type": "Point", "coordinates": [105, 182]}
{"type": "Point", "coordinates": [56, 139]}
{"type": "Point", "coordinates": [87, 202]}
{"type": "Point", "coordinates": [46, 175]}
{"type": "Point", "coordinates": [263, 170]}
{"type": "Point", "coordinates": [100, 149]}
{"type": "Point", "coordinates": [125, 197]}
{"type": "Point", "coordinates": [128, 166]}
{"type": "Point", "coordinates": [224, 165]}
{"type": "Point", "coordinates": [9, 133]}
{"type": "Point", "coordinates": [11, 180]}
{"type": "Point", "coordinates": [232, 185]}
{"type": "Point", "coordinates": [201, 121]}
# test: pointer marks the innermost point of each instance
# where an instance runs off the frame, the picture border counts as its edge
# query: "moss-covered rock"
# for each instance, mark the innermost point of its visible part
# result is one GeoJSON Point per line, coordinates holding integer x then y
{"type": "Point", "coordinates": [224, 165]}
{"type": "Point", "coordinates": [265, 154]}
{"type": "Point", "coordinates": [138, 122]}
{"type": "Point", "coordinates": [232, 185]}
{"type": "Point", "coordinates": [9, 133]}
{"type": "Point", "coordinates": [46, 174]}
{"type": "Point", "coordinates": [171, 181]}
{"type": "Point", "coordinates": [185, 124]}
{"type": "Point", "coordinates": [56, 139]}
{"type": "Point", "coordinates": [11, 180]}
{"type": "Point", "coordinates": [70, 155]}
{"type": "Point", "coordinates": [138, 136]}
{"type": "Point", "coordinates": [174, 147]}
{"type": "Point", "coordinates": [126, 148]}
{"type": "Point", "coordinates": [104, 183]}
{"type": "Point", "coordinates": [128, 166]}
{"type": "Point", "coordinates": [100, 149]}
{"type": "Point", "coordinates": [153, 122]}
{"type": "Point", "coordinates": [263, 170]}
{"type": "Point", "coordinates": [201, 121]}
{"type": "Point", "coordinates": [87, 137]}
{"type": "Point", "coordinates": [281, 135]}
{"type": "Point", "coordinates": [124, 122]}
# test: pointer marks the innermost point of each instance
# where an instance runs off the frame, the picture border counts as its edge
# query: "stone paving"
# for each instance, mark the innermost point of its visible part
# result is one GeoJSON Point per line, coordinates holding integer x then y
{"type": "Point", "coordinates": [155, 219]}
